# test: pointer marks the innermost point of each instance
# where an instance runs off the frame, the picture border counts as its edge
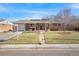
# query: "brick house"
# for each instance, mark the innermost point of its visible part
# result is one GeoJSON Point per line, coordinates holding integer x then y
{"type": "Point", "coordinates": [5, 26]}
{"type": "Point", "coordinates": [34, 25]}
{"type": "Point", "coordinates": [75, 25]}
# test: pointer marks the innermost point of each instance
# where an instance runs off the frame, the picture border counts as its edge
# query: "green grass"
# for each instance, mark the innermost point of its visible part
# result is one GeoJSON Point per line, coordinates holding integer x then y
{"type": "Point", "coordinates": [51, 37]}
{"type": "Point", "coordinates": [24, 38]}
{"type": "Point", "coordinates": [60, 37]}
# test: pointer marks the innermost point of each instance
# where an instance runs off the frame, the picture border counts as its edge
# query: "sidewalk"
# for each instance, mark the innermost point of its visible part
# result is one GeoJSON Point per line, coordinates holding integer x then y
{"type": "Point", "coordinates": [48, 46]}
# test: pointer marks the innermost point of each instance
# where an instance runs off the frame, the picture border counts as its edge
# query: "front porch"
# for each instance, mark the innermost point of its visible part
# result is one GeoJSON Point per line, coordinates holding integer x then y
{"type": "Point", "coordinates": [36, 27]}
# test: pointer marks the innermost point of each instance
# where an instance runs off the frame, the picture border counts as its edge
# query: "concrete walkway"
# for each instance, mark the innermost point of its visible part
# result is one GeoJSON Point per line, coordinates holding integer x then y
{"type": "Point", "coordinates": [42, 38]}
{"type": "Point", "coordinates": [36, 46]}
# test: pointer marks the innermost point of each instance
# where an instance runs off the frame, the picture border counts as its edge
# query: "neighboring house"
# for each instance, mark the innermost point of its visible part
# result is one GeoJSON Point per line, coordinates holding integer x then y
{"type": "Point", "coordinates": [5, 25]}
{"type": "Point", "coordinates": [34, 25]}
{"type": "Point", "coordinates": [75, 24]}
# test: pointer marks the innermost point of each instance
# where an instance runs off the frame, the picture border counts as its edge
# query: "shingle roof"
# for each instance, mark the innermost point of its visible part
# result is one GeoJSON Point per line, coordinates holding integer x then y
{"type": "Point", "coordinates": [37, 21]}
{"type": "Point", "coordinates": [5, 22]}
{"type": "Point", "coordinates": [1, 20]}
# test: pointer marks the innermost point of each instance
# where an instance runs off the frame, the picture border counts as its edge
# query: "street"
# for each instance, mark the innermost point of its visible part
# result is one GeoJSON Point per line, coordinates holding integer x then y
{"type": "Point", "coordinates": [39, 52]}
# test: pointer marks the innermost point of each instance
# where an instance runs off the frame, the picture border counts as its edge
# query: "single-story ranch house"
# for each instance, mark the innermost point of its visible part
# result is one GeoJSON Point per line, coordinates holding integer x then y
{"type": "Point", "coordinates": [34, 25]}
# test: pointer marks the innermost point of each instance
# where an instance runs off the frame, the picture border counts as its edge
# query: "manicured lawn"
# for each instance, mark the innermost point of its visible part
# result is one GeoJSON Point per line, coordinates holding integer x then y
{"type": "Point", "coordinates": [60, 37]}
{"type": "Point", "coordinates": [24, 38]}
{"type": "Point", "coordinates": [51, 37]}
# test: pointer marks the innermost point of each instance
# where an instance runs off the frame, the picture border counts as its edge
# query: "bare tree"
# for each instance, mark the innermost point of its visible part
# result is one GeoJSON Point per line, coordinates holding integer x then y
{"type": "Point", "coordinates": [66, 17]}
{"type": "Point", "coordinates": [63, 16]}
{"type": "Point", "coordinates": [49, 17]}
{"type": "Point", "coordinates": [45, 18]}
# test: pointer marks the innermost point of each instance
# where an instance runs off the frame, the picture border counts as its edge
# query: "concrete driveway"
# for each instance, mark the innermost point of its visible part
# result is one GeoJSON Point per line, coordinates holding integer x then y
{"type": "Point", "coordinates": [8, 35]}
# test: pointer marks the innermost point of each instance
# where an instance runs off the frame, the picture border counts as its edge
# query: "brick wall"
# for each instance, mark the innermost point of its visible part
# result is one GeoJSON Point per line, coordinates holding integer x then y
{"type": "Point", "coordinates": [5, 27]}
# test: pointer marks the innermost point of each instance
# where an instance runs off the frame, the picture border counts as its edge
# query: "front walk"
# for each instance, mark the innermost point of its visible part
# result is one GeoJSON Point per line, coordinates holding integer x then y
{"type": "Point", "coordinates": [42, 38]}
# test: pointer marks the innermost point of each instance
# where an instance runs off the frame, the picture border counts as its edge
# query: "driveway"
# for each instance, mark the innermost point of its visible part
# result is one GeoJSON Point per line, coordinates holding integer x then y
{"type": "Point", "coordinates": [8, 35]}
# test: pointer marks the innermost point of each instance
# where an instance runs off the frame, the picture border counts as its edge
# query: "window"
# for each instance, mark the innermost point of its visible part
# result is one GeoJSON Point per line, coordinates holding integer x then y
{"type": "Point", "coordinates": [3, 24]}
{"type": "Point", "coordinates": [31, 24]}
{"type": "Point", "coordinates": [59, 24]}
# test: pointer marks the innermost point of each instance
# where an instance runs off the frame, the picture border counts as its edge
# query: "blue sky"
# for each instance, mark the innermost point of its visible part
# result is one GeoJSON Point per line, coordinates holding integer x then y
{"type": "Point", "coordinates": [14, 11]}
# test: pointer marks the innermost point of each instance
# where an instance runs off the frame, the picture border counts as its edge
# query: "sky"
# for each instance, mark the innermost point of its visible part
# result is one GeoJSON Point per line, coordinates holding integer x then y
{"type": "Point", "coordinates": [18, 11]}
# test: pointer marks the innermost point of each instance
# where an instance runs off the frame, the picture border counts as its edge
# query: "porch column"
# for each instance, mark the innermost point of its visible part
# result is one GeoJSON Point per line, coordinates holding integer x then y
{"type": "Point", "coordinates": [35, 26]}
{"type": "Point", "coordinates": [45, 26]}
{"type": "Point", "coordinates": [17, 31]}
{"type": "Point", "coordinates": [25, 27]}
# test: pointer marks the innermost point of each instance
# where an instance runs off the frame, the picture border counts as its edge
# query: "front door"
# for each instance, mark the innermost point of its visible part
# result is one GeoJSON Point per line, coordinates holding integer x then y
{"type": "Point", "coordinates": [41, 27]}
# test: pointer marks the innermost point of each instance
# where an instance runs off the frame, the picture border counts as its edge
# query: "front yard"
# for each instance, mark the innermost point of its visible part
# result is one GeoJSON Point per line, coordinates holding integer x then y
{"type": "Point", "coordinates": [51, 37]}
{"type": "Point", "coordinates": [60, 37]}
{"type": "Point", "coordinates": [24, 38]}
